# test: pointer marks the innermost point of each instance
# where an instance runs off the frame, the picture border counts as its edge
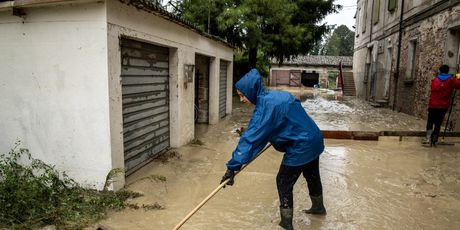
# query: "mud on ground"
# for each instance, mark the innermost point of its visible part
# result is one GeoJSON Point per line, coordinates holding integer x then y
{"type": "Point", "coordinates": [386, 184]}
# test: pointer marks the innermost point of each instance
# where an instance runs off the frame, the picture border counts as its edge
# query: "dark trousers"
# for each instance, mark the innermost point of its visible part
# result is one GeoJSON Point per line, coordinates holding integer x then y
{"type": "Point", "coordinates": [435, 117]}
{"type": "Point", "coordinates": [288, 175]}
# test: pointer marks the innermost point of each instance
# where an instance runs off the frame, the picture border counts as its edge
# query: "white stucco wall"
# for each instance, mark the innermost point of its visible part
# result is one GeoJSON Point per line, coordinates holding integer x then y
{"type": "Point", "coordinates": [60, 89]}
{"type": "Point", "coordinates": [359, 70]}
{"type": "Point", "coordinates": [53, 87]}
{"type": "Point", "coordinates": [127, 21]}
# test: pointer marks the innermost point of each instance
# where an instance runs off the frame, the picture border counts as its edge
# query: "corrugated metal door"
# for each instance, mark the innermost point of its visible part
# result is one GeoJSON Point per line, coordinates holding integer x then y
{"type": "Point", "coordinates": [144, 76]}
{"type": "Point", "coordinates": [223, 89]}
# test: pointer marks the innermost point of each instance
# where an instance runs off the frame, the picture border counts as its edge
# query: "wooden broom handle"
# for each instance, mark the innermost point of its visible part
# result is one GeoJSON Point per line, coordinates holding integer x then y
{"type": "Point", "coordinates": [216, 190]}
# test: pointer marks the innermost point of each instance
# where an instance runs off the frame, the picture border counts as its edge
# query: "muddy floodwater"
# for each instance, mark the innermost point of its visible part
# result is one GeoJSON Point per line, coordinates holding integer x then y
{"type": "Point", "coordinates": [332, 111]}
{"type": "Point", "coordinates": [385, 184]}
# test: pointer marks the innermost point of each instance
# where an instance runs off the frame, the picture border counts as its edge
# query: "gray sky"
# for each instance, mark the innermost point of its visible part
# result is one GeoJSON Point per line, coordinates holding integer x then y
{"type": "Point", "coordinates": [345, 16]}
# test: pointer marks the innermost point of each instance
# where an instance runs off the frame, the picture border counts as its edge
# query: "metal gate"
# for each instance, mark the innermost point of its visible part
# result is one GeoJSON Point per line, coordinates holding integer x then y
{"type": "Point", "coordinates": [223, 89]}
{"type": "Point", "coordinates": [294, 78]}
{"type": "Point", "coordinates": [145, 94]}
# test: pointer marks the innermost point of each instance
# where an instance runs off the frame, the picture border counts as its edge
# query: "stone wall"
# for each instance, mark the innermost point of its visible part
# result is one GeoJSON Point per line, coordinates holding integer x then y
{"type": "Point", "coordinates": [430, 35]}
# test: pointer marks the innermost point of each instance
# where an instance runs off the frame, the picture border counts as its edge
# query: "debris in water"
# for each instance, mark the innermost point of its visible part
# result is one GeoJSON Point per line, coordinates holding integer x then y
{"type": "Point", "coordinates": [321, 105]}
{"type": "Point", "coordinates": [163, 158]}
{"type": "Point", "coordinates": [196, 142]}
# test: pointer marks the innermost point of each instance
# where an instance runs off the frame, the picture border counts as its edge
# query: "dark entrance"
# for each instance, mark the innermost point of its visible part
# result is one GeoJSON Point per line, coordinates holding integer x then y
{"type": "Point", "coordinates": [202, 89]}
{"type": "Point", "coordinates": [310, 79]}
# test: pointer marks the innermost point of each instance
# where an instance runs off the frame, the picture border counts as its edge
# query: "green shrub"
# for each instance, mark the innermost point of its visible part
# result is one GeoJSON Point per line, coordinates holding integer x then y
{"type": "Point", "coordinates": [35, 194]}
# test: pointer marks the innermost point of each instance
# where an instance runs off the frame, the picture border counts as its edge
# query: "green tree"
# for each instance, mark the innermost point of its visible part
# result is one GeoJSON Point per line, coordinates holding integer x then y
{"type": "Point", "coordinates": [204, 13]}
{"type": "Point", "coordinates": [340, 43]}
{"type": "Point", "coordinates": [262, 24]}
{"type": "Point", "coordinates": [280, 28]}
{"type": "Point", "coordinates": [307, 16]}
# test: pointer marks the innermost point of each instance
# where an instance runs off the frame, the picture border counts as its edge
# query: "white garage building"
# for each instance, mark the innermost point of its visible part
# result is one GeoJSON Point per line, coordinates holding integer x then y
{"type": "Point", "coordinates": [90, 86]}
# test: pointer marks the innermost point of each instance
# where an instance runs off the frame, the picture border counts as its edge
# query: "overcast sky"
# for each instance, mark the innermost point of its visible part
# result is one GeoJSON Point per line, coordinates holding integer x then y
{"type": "Point", "coordinates": [344, 16]}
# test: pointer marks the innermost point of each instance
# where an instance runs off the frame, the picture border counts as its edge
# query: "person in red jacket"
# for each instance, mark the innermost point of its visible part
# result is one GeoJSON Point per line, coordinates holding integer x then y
{"type": "Point", "coordinates": [442, 87]}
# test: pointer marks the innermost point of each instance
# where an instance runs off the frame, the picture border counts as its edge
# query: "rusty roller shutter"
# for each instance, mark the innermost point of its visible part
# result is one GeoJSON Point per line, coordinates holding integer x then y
{"type": "Point", "coordinates": [223, 89]}
{"type": "Point", "coordinates": [145, 94]}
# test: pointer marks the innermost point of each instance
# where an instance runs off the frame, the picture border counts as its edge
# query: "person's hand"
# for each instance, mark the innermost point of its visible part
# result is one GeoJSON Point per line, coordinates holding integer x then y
{"type": "Point", "coordinates": [458, 76]}
{"type": "Point", "coordinates": [240, 131]}
{"type": "Point", "coordinates": [229, 174]}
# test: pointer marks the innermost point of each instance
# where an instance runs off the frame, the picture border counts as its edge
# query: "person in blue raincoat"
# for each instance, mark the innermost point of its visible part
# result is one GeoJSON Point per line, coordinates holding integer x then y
{"type": "Point", "coordinates": [280, 119]}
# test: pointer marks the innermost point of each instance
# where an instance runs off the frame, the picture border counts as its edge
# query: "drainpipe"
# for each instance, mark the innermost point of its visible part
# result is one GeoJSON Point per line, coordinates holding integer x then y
{"type": "Point", "coordinates": [371, 66]}
{"type": "Point", "coordinates": [396, 75]}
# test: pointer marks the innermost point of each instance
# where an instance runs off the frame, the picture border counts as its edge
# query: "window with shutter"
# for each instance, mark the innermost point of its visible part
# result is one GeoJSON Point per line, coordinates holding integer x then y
{"type": "Point", "coordinates": [376, 12]}
{"type": "Point", "coordinates": [391, 5]}
{"type": "Point", "coordinates": [411, 60]}
{"type": "Point", "coordinates": [364, 21]}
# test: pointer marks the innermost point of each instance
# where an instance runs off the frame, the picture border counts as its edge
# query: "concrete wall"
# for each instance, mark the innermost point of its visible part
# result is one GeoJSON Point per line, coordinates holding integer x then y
{"type": "Point", "coordinates": [60, 88]}
{"type": "Point", "coordinates": [53, 88]}
{"type": "Point", "coordinates": [127, 21]}
{"type": "Point", "coordinates": [359, 72]}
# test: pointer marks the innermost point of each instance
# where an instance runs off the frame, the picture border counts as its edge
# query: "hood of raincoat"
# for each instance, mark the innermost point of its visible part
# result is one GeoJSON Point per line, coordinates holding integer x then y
{"type": "Point", "coordinates": [251, 85]}
{"type": "Point", "coordinates": [443, 76]}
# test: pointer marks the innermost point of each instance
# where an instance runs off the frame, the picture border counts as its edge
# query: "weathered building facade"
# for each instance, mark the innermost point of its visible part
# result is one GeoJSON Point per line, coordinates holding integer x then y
{"type": "Point", "coordinates": [399, 47]}
{"type": "Point", "coordinates": [307, 70]}
{"type": "Point", "coordinates": [90, 86]}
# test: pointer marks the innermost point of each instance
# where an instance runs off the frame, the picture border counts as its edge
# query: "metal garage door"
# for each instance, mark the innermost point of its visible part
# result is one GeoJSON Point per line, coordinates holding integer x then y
{"type": "Point", "coordinates": [223, 89]}
{"type": "Point", "coordinates": [144, 77]}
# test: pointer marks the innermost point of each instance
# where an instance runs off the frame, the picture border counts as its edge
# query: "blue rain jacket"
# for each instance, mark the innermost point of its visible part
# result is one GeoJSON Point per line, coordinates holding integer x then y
{"type": "Point", "coordinates": [280, 119]}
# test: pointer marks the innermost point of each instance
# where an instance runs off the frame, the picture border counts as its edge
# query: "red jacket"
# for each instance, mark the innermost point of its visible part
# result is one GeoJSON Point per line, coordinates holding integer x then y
{"type": "Point", "coordinates": [441, 91]}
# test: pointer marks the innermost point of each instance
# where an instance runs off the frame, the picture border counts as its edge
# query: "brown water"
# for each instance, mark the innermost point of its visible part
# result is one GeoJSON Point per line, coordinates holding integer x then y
{"type": "Point", "coordinates": [387, 184]}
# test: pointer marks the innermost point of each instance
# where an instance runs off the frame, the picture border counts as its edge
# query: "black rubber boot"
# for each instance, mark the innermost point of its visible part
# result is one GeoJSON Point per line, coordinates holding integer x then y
{"type": "Point", "coordinates": [317, 207]}
{"type": "Point", "coordinates": [286, 218]}
{"type": "Point", "coordinates": [434, 140]}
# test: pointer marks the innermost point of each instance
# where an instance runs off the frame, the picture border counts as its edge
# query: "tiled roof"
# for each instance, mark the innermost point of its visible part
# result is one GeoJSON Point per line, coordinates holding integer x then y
{"type": "Point", "coordinates": [146, 5]}
{"type": "Point", "coordinates": [317, 60]}
{"type": "Point", "coordinates": [152, 7]}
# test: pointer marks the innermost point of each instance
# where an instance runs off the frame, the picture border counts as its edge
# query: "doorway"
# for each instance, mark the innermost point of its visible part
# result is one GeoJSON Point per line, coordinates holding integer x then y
{"type": "Point", "coordinates": [452, 57]}
{"type": "Point", "coordinates": [202, 89]}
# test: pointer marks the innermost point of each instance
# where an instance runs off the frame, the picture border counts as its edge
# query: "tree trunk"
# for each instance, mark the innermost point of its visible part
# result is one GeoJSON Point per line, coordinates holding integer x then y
{"type": "Point", "coordinates": [280, 59]}
{"type": "Point", "coordinates": [252, 57]}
